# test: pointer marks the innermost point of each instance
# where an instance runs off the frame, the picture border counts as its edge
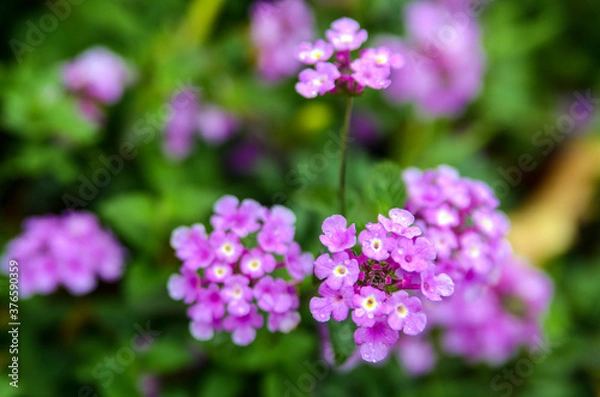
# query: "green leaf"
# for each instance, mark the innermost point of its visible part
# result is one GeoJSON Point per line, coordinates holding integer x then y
{"type": "Point", "coordinates": [385, 189]}
{"type": "Point", "coordinates": [341, 335]}
{"type": "Point", "coordinates": [167, 356]}
{"type": "Point", "coordinates": [218, 383]}
{"type": "Point", "coordinates": [133, 216]}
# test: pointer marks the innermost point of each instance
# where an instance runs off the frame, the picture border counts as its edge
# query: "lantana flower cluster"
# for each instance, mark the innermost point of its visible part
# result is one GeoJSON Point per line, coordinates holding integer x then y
{"type": "Point", "coordinates": [276, 29]}
{"type": "Point", "coordinates": [460, 217]}
{"type": "Point", "coordinates": [72, 250]}
{"type": "Point", "coordinates": [344, 75]}
{"type": "Point", "coordinates": [499, 300]}
{"type": "Point", "coordinates": [190, 118]}
{"type": "Point", "coordinates": [445, 58]}
{"type": "Point", "coordinates": [98, 77]}
{"type": "Point", "coordinates": [236, 273]}
{"type": "Point", "coordinates": [505, 317]}
{"type": "Point", "coordinates": [378, 285]}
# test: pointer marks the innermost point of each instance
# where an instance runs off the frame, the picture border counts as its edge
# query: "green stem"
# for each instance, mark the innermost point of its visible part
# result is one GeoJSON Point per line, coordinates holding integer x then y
{"type": "Point", "coordinates": [344, 136]}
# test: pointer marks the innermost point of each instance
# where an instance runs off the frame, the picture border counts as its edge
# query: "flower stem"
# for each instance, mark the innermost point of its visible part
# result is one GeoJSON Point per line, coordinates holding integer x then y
{"type": "Point", "coordinates": [344, 136]}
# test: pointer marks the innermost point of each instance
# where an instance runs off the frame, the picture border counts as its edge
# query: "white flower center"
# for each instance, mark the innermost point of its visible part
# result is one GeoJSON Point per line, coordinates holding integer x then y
{"type": "Point", "coordinates": [346, 38]}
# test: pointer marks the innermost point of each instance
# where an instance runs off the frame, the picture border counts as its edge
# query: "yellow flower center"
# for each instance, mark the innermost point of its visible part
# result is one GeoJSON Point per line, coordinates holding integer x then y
{"type": "Point", "coordinates": [370, 303]}
{"type": "Point", "coordinates": [254, 264]}
{"type": "Point", "coordinates": [340, 270]}
{"type": "Point", "coordinates": [227, 248]}
{"type": "Point", "coordinates": [401, 310]}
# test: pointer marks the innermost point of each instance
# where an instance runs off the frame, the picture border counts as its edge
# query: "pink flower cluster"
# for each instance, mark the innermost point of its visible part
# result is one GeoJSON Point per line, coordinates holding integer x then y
{"type": "Point", "coordinates": [231, 273]}
{"type": "Point", "coordinates": [276, 29]}
{"type": "Point", "coordinates": [188, 118]}
{"type": "Point", "coordinates": [98, 76]}
{"type": "Point", "coordinates": [498, 300]}
{"type": "Point", "coordinates": [504, 318]}
{"type": "Point", "coordinates": [445, 59]}
{"type": "Point", "coordinates": [70, 250]}
{"type": "Point", "coordinates": [375, 283]}
{"type": "Point", "coordinates": [460, 217]}
{"type": "Point", "coordinates": [372, 68]}
{"type": "Point", "coordinates": [490, 328]}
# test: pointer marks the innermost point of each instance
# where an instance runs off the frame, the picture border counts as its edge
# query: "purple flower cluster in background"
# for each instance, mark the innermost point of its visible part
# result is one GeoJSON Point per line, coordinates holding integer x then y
{"type": "Point", "coordinates": [372, 68]}
{"type": "Point", "coordinates": [375, 283]}
{"type": "Point", "coordinates": [276, 29]}
{"type": "Point", "coordinates": [71, 250]}
{"type": "Point", "coordinates": [232, 274]}
{"type": "Point", "coordinates": [445, 60]}
{"type": "Point", "coordinates": [98, 77]}
{"type": "Point", "coordinates": [505, 317]}
{"type": "Point", "coordinates": [498, 300]}
{"type": "Point", "coordinates": [460, 217]}
{"type": "Point", "coordinates": [189, 118]}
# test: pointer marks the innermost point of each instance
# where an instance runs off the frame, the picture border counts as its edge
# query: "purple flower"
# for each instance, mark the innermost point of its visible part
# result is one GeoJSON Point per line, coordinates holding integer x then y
{"type": "Point", "coordinates": [256, 263]}
{"type": "Point", "coordinates": [336, 237]}
{"type": "Point", "coordinates": [474, 252]}
{"type": "Point", "coordinates": [98, 74]}
{"type": "Point", "coordinates": [492, 224]}
{"type": "Point", "coordinates": [375, 242]}
{"type": "Point", "coordinates": [339, 272]}
{"type": "Point", "coordinates": [383, 57]}
{"type": "Point", "coordinates": [243, 328]}
{"type": "Point", "coordinates": [369, 304]}
{"type": "Point", "coordinates": [226, 246]}
{"type": "Point", "coordinates": [346, 35]}
{"type": "Point", "coordinates": [283, 322]}
{"type": "Point", "coordinates": [192, 246]}
{"type": "Point", "coordinates": [201, 330]}
{"type": "Point", "coordinates": [445, 62]}
{"type": "Point", "coordinates": [188, 118]}
{"type": "Point", "coordinates": [444, 241]}
{"type": "Point", "coordinates": [278, 231]}
{"type": "Point", "coordinates": [209, 306]}
{"type": "Point", "coordinates": [272, 295]}
{"type": "Point", "coordinates": [368, 74]}
{"type": "Point", "coordinates": [241, 220]}
{"type": "Point", "coordinates": [299, 264]}
{"type": "Point", "coordinates": [310, 54]}
{"type": "Point", "coordinates": [375, 341]}
{"type": "Point", "coordinates": [404, 313]}
{"type": "Point", "coordinates": [317, 82]}
{"type": "Point", "coordinates": [443, 216]}
{"type": "Point", "coordinates": [184, 286]}
{"type": "Point", "coordinates": [72, 250]}
{"type": "Point", "coordinates": [416, 355]}
{"type": "Point", "coordinates": [400, 222]}
{"type": "Point", "coordinates": [277, 30]}
{"type": "Point", "coordinates": [460, 217]}
{"type": "Point", "coordinates": [376, 283]}
{"type": "Point", "coordinates": [230, 272]}
{"type": "Point", "coordinates": [182, 124]}
{"type": "Point", "coordinates": [214, 124]}
{"type": "Point", "coordinates": [413, 255]}
{"type": "Point", "coordinates": [218, 272]}
{"type": "Point", "coordinates": [334, 303]}
{"type": "Point", "coordinates": [237, 294]}
{"type": "Point", "coordinates": [435, 286]}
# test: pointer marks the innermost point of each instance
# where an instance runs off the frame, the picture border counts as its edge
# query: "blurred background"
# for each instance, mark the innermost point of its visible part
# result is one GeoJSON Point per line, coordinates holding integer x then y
{"type": "Point", "coordinates": [514, 103]}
